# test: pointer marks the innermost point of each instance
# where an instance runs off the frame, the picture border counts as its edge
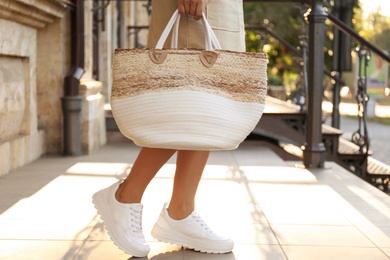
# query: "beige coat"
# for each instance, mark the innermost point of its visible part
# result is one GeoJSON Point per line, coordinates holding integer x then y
{"type": "Point", "coordinates": [225, 17]}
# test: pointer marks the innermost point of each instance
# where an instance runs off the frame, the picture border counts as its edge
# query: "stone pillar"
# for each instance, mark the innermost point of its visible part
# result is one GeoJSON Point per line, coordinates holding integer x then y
{"type": "Point", "coordinates": [51, 69]}
{"type": "Point", "coordinates": [93, 126]}
{"type": "Point", "coordinates": [106, 49]}
{"type": "Point", "coordinates": [88, 43]}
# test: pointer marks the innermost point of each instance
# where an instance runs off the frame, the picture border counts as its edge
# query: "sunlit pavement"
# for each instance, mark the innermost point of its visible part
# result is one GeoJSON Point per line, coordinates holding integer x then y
{"type": "Point", "coordinates": [272, 209]}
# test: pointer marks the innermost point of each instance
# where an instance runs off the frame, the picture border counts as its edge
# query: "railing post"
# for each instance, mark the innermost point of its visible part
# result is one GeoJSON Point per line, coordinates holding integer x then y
{"type": "Point", "coordinates": [336, 101]}
{"type": "Point", "coordinates": [314, 147]}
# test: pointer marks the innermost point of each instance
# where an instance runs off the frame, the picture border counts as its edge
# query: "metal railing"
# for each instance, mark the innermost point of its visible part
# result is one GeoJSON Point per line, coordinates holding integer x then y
{"type": "Point", "coordinates": [360, 137]}
{"type": "Point", "coordinates": [316, 19]}
{"type": "Point", "coordinates": [349, 31]}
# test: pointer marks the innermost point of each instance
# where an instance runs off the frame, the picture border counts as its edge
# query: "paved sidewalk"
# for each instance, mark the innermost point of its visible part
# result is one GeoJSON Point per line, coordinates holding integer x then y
{"type": "Point", "coordinates": [271, 208]}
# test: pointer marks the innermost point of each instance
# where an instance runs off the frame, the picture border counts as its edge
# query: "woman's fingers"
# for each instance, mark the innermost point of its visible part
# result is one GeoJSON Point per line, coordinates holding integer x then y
{"type": "Point", "coordinates": [198, 10]}
{"type": "Point", "coordinates": [190, 7]}
{"type": "Point", "coordinates": [180, 7]}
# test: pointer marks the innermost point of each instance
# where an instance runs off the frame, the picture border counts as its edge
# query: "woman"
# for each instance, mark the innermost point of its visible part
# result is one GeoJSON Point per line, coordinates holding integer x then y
{"type": "Point", "coordinates": [120, 204]}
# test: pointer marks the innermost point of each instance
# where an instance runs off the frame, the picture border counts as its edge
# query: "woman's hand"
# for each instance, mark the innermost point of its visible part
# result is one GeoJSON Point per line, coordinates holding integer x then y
{"type": "Point", "coordinates": [190, 7]}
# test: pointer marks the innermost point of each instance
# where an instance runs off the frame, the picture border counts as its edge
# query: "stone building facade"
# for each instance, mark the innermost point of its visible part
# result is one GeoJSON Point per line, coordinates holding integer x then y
{"type": "Point", "coordinates": [35, 57]}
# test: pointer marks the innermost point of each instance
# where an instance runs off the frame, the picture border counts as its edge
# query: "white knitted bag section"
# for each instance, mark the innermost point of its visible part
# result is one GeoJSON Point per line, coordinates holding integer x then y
{"type": "Point", "coordinates": [185, 120]}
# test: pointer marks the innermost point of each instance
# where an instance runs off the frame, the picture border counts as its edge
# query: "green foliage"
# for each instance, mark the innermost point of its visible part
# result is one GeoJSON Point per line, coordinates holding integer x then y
{"type": "Point", "coordinates": [376, 29]}
{"type": "Point", "coordinates": [288, 21]}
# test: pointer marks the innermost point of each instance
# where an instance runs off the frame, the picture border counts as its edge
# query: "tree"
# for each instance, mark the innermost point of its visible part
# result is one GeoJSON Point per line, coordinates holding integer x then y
{"type": "Point", "coordinates": [376, 28]}
{"type": "Point", "coordinates": [288, 21]}
{"type": "Point", "coordinates": [284, 19]}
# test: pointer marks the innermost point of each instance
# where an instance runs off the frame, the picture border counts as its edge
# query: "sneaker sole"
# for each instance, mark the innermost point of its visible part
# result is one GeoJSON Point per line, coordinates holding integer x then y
{"type": "Point", "coordinates": [165, 236]}
{"type": "Point", "coordinates": [103, 210]}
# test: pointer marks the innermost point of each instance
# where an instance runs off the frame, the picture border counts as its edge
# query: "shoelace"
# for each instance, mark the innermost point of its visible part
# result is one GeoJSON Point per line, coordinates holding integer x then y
{"type": "Point", "coordinates": [136, 219]}
{"type": "Point", "coordinates": [202, 223]}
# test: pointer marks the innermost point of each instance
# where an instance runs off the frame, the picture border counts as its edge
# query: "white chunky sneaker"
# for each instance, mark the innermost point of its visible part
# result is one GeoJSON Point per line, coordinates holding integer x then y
{"type": "Point", "coordinates": [123, 221]}
{"type": "Point", "coordinates": [191, 232]}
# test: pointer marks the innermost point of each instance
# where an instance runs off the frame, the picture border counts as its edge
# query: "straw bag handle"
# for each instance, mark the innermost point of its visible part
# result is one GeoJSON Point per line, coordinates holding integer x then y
{"type": "Point", "coordinates": [211, 41]}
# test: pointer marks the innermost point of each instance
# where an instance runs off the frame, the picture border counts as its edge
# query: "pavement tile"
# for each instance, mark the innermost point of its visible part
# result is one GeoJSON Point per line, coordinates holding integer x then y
{"type": "Point", "coordinates": [379, 235]}
{"type": "Point", "coordinates": [386, 250]}
{"type": "Point", "coordinates": [38, 249]}
{"type": "Point", "coordinates": [30, 229]}
{"type": "Point", "coordinates": [249, 154]}
{"type": "Point", "coordinates": [101, 250]}
{"type": "Point", "coordinates": [258, 252]}
{"type": "Point", "coordinates": [328, 252]}
{"type": "Point", "coordinates": [250, 194]}
{"type": "Point", "coordinates": [368, 217]}
{"type": "Point", "coordinates": [324, 235]}
{"type": "Point", "coordinates": [345, 183]}
{"type": "Point", "coordinates": [277, 174]}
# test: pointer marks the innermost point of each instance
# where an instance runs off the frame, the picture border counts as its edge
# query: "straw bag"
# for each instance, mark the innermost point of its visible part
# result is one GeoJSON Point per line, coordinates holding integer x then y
{"type": "Point", "coordinates": [188, 99]}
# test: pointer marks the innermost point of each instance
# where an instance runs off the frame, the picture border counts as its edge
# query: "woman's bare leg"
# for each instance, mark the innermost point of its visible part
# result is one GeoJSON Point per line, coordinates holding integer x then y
{"type": "Point", "coordinates": [189, 169]}
{"type": "Point", "coordinates": [146, 166]}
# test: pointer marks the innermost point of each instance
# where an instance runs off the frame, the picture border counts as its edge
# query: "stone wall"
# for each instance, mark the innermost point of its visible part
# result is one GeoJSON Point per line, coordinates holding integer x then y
{"type": "Point", "coordinates": [34, 59]}
{"type": "Point", "coordinates": [31, 71]}
{"type": "Point", "coordinates": [20, 140]}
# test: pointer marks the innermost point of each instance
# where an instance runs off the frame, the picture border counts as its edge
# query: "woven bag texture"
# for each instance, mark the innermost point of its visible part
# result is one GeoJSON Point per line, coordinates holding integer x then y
{"type": "Point", "coordinates": [182, 104]}
{"type": "Point", "coordinates": [235, 75]}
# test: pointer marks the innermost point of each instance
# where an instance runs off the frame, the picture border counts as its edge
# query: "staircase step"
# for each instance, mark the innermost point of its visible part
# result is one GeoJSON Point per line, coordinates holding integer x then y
{"type": "Point", "coordinates": [376, 167]}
